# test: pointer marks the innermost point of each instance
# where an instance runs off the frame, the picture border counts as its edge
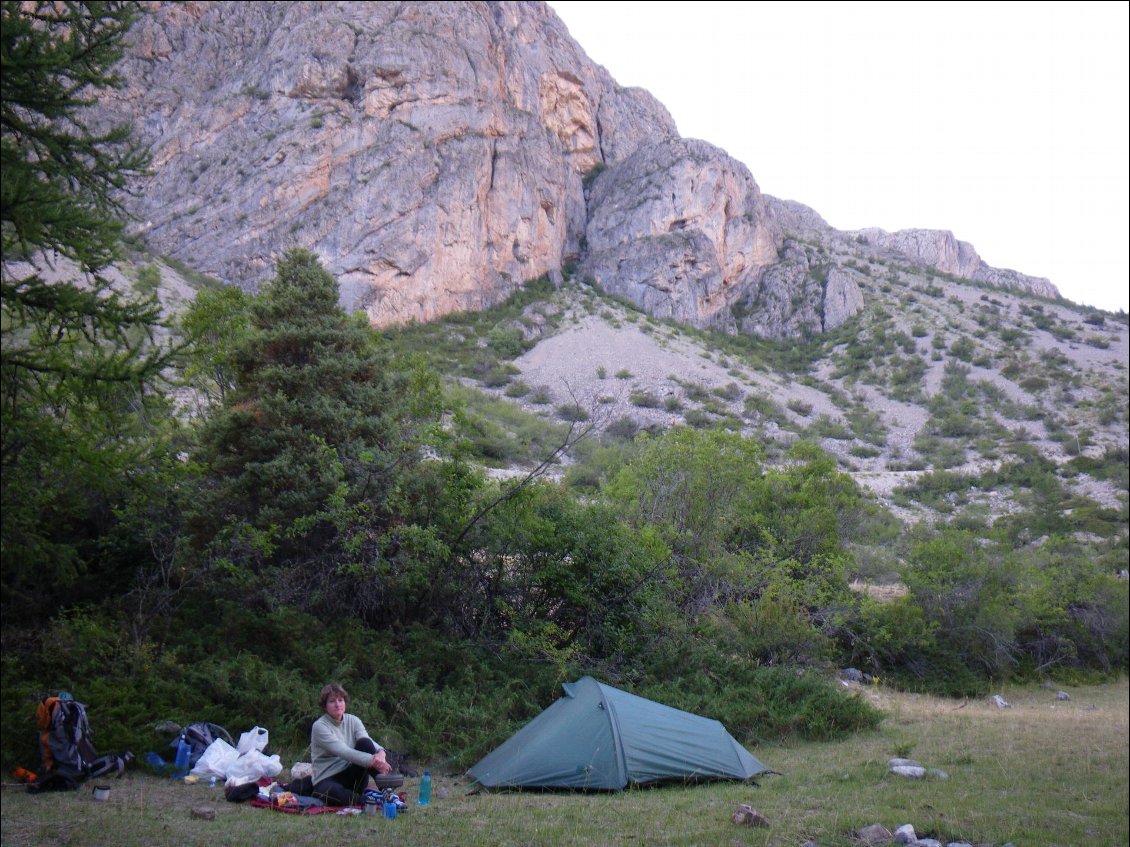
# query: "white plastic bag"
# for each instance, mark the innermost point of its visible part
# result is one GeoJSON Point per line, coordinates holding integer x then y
{"type": "Point", "coordinates": [216, 760]}
{"type": "Point", "coordinates": [254, 739]}
{"type": "Point", "coordinates": [253, 766]}
{"type": "Point", "coordinates": [299, 770]}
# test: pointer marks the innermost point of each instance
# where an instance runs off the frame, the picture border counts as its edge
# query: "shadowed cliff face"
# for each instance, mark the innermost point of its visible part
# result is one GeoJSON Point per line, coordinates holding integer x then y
{"type": "Point", "coordinates": [680, 229]}
{"type": "Point", "coordinates": [434, 154]}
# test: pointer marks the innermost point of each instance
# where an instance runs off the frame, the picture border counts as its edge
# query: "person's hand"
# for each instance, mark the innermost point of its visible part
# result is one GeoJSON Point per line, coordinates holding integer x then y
{"type": "Point", "coordinates": [380, 764]}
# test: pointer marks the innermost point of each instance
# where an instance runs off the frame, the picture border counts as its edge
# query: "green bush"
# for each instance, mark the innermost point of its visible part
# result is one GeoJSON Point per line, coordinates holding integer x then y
{"type": "Point", "coordinates": [506, 342]}
{"type": "Point", "coordinates": [622, 429]}
{"type": "Point", "coordinates": [572, 412]}
{"type": "Point", "coordinates": [826, 427]}
{"type": "Point", "coordinates": [730, 391]}
{"type": "Point", "coordinates": [800, 407]}
{"type": "Point", "coordinates": [645, 399]}
{"type": "Point", "coordinates": [497, 377]}
{"type": "Point", "coordinates": [756, 703]}
{"type": "Point", "coordinates": [963, 349]}
{"type": "Point", "coordinates": [148, 279]}
{"type": "Point", "coordinates": [699, 419]}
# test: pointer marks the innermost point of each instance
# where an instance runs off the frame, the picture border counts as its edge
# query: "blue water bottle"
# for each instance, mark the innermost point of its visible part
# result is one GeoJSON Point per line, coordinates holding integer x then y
{"type": "Point", "coordinates": [425, 789]}
{"type": "Point", "coordinates": [180, 767]}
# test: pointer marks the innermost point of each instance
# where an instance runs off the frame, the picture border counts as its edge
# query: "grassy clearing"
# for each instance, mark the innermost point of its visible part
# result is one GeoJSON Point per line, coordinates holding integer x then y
{"type": "Point", "coordinates": [1043, 772]}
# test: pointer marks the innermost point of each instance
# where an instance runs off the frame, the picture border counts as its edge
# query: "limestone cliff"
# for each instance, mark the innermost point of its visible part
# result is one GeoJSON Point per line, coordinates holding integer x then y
{"type": "Point", "coordinates": [430, 153]}
{"type": "Point", "coordinates": [436, 155]}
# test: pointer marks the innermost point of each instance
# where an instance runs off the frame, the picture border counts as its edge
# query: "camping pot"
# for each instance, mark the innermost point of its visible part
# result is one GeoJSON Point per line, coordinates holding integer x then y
{"type": "Point", "coordinates": [101, 792]}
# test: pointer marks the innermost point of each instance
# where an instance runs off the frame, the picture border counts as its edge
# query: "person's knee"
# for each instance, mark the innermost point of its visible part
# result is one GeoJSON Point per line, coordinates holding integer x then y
{"type": "Point", "coordinates": [366, 745]}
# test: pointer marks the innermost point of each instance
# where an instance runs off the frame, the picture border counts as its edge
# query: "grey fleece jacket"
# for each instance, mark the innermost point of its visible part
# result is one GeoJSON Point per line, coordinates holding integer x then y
{"type": "Point", "coordinates": [332, 745]}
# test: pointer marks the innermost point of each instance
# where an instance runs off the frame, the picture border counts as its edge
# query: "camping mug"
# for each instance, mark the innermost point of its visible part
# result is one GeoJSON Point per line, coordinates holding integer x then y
{"type": "Point", "coordinates": [390, 809]}
{"type": "Point", "coordinates": [101, 792]}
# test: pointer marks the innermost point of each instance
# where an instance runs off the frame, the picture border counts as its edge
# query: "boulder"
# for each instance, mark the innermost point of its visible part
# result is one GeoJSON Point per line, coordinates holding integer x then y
{"type": "Point", "coordinates": [908, 771]}
{"type": "Point", "coordinates": [746, 815]}
{"type": "Point", "coordinates": [896, 763]}
{"type": "Point", "coordinates": [905, 834]}
{"type": "Point", "coordinates": [874, 834]}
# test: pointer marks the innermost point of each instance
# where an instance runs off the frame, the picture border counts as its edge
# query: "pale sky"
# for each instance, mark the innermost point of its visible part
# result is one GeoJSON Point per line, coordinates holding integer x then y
{"type": "Point", "coordinates": [1005, 123]}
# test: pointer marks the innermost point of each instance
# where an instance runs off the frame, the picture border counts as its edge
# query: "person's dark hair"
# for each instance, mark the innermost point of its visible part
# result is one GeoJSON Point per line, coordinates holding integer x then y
{"type": "Point", "coordinates": [332, 690]}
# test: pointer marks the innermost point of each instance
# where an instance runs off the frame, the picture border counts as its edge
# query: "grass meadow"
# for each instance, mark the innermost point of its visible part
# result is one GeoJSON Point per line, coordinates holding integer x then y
{"type": "Point", "coordinates": [1043, 772]}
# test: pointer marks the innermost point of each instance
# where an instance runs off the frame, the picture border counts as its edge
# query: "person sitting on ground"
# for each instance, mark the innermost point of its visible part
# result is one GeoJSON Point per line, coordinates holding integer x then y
{"type": "Point", "coordinates": [341, 751]}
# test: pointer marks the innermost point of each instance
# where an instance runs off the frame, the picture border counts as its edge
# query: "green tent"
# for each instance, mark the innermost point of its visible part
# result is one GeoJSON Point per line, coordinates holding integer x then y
{"type": "Point", "coordinates": [597, 736]}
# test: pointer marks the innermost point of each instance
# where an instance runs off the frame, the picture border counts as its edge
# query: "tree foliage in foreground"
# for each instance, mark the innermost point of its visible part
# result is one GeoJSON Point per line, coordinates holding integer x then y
{"type": "Point", "coordinates": [316, 488]}
{"type": "Point", "coordinates": [79, 361]}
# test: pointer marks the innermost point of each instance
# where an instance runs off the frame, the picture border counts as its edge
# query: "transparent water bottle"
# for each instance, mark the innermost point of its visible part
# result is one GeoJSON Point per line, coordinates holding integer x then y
{"type": "Point", "coordinates": [180, 767]}
{"type": "Point", "coordinates": [425, 789]}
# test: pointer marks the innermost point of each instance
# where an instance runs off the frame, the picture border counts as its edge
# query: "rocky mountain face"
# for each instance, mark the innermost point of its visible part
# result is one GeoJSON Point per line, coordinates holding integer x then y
{"type": "Point", "coordinates": [680, 229]}
{"type": "Point", "coordinates": [438, 155]}
{"type": "Point", "coordinates": [430, 153]}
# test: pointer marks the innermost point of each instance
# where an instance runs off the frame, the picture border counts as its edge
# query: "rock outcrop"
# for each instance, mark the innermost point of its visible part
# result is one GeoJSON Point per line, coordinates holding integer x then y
{"type": "Point", "coordinates": [929, 248]}
{"type": "Point", "coordinates": [798, 296]}
{"type": "Point", "coordinates": [681, 230]}
{"type": "Point", "coordinates": [430, 153]}
{"type": "Point", "coordinates": [939, 249]}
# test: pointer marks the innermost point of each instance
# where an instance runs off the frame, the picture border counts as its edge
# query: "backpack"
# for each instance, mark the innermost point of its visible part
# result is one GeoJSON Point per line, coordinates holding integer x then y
{"type": "Point", "coordinates": [65, 737]}
{"type": "Point", "coordinates": [66, 744]}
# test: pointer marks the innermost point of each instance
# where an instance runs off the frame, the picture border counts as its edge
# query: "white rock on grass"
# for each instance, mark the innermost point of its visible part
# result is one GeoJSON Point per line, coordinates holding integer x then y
{"type": "Point", "coordinates": [905, 834]}
{"type": "Point", "coordinates": [909, 771]}
{"type": "Point", "coordinates": [907, 763]}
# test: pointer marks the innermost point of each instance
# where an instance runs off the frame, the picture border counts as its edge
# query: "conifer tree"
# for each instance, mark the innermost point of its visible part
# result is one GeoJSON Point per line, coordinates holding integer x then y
{"type": "Point", "coordinates": [78, 359]}
{"type": "Point", "coordinates": [316, 454]}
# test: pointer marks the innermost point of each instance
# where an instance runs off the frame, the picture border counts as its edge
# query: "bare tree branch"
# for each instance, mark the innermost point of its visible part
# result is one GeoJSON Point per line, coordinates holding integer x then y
{"type": "Point", "coordinates": [573, 436]}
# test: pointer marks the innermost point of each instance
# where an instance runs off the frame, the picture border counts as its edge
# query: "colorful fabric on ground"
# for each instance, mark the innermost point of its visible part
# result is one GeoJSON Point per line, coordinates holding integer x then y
{"type": "Point", "coordinates": [305, 810]}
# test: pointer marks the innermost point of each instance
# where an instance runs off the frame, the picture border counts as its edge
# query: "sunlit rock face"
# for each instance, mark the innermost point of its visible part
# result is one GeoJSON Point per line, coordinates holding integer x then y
{"type": "Point", "coordinates": [430, 153]}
